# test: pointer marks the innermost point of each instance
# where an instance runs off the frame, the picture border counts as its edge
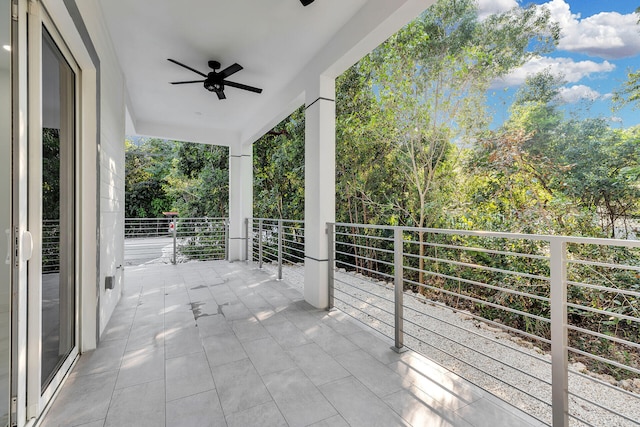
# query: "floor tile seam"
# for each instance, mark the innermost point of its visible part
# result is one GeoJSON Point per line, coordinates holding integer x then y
{"type": "Point", "coordinates": [104, 420]}
{"type": "Point", "coordinates": [330, 384]}
{"type": "Point", "coordinates": [135, 311]}
{"type": "Point", "coordinates": [213, 378]}
{"type": "Point", "coordinates": [119, 366]}
{"type": "Point", "coordinates": [317, 387]}
{"type": "Point", "coordinates": [263, 383]}
{"type": "Point", "coordinates": [192, 394]}
{"type": "Point", "coordinates": [508, 408]}
{"type": "Point", "coordinates": [474, 397]}
{"type": "Point", "coordinates": [401, 377]}
{"type": "Point", "coordinates": [139, 384]}
{"type": "Point", "coordinates": [439, 410]}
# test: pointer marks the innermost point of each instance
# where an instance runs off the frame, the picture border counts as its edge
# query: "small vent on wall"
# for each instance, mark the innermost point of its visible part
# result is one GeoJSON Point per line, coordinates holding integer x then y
{"type": "Point", "coordinates": [109, 282]}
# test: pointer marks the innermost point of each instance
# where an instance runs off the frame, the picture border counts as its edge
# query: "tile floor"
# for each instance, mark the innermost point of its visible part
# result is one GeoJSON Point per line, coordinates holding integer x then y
{"type": "Point", "coordinates": [224, 344]}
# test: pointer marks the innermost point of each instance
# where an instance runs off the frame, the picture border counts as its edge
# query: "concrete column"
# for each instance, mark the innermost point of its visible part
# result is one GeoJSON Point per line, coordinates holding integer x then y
{"type": "Point", "coordinates": [240, 198]}
{"type": "Point", "coordinates": [320, 159]}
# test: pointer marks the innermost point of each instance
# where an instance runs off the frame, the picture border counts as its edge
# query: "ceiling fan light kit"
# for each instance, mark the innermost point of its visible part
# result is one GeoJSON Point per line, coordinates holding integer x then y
{"type": "Point", "coordinates": [215, 81]}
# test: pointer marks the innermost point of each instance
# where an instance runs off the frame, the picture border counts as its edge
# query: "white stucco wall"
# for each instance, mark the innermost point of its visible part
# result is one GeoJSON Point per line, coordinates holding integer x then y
{"type": "Point", "coordinates": [111, 155]}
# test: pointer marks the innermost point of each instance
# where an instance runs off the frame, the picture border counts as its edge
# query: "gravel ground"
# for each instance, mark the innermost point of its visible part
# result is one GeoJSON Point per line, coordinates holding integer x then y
{"type": "Point", "coordinates": [500, 362]}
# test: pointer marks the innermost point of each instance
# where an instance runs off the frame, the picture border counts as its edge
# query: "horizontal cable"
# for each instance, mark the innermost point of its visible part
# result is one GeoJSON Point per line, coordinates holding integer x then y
{"type": "Point", "coordinates": [497, 341]}
{"type": "Point", "coordinates": [575, 417]}
{"type": "Point", "coordinates": [604, 336]}
{"type": "Point", "coordinates": [365, 236]}
{"type": "Point", "coordinates": [477, 266]}
{"type": "Point", "coordinates": [479, 301]}
{"type": "Point", "coordinates": [478, 352]}
{"type": "Point", "coordinates": [337, 261]}
{"type": "Point", "coordinates": [360, 310]}
{"type": "Point", "coordinates": [604, 360]}
{"type": "Point", "coordinates": [604, 264]}
{"type": "Point", "coordinates": [381, 297]}
{"type": "Point", "coordinates": [603, 312]}
{"type": "Point", "coordinates": [477, 369]}
{"type": "Point", "coordinates": [361, 257]}
{"type": "Point", "coordinates": [483, 250]}
{"type": "Point", "coordinates": [604, 288]}
{"type": "Point", "coordinates": [481, 284]}
{"type": "Point", "coordinates": [368, 248]}
{"type": "Point", "coordinates": [604, 408]}
{"type": "Point", "coordinates": [604, 383]}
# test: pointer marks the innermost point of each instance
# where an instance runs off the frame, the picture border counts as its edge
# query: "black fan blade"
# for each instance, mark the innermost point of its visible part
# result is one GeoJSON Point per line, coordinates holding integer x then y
{"type": "Point", "coordinates": [241, 86]}
{"type": "Point", "coordinates": [187, 82]}
{"type": "Point", "coordinates": [221, 95]}
{"type": "Point", "coordinates": [231, 69]}
{"type": "Point", "coordinates": [187, 67]}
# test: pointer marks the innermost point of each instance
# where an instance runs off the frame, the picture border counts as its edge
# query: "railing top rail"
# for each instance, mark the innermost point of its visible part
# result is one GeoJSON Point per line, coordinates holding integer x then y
{"type": "Point", "coordinates": [178, 217]}
{"type": "Point", "coordinates": [294, 221]}
{"type": "Point", "coordinates": [477, 233]}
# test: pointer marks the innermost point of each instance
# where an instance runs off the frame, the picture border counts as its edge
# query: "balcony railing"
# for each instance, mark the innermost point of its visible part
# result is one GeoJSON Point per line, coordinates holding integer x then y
{"type": "Point", "coordinates": [175, 239]}
{"type": "Point", "coordinates": [275, 241]}
{"type": "Point", "coordinates": [548, 323]}
{"type": "Point", "coordinates": [50, 246]}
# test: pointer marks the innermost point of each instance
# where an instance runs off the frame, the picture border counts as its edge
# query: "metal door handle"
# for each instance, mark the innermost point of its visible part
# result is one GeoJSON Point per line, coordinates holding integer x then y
{"type": "Point", "coordinates": [27, 246]}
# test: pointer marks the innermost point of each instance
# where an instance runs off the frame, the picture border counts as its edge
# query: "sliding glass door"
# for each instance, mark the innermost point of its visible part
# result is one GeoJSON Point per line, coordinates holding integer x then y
{"type": "Point", "coordinates": [58, 289]}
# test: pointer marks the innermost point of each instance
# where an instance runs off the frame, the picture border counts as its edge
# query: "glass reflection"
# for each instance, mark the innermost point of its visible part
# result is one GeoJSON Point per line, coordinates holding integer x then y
{"type": "Point", "coordinates": [58, 270]}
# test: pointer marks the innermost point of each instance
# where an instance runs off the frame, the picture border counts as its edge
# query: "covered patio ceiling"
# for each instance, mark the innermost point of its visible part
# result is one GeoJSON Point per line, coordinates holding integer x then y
{"type": "Point", "coordinates": [283, 46]}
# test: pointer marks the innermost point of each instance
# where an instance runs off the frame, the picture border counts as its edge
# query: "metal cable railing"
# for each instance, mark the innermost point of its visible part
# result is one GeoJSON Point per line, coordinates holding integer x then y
{"type": "Point", "coordinates": [550, 324]}
{"type": "Point", "coordinates": [529, 303]}
{"type": "Point", "coordinates": [50, 246]}
{"type": "Point", "coordinates": [275, 241]}
{"type": "Point", "coordinates": [175, 240]}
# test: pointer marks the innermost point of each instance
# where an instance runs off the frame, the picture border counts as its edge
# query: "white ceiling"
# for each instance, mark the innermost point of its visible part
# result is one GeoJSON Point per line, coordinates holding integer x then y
{"type": "Point", "coordinates": [282, 46]}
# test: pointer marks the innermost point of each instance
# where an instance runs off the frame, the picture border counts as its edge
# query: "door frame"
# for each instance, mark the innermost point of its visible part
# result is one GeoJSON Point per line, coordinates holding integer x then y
{"type": "Point", "coordinates": [38, 398]}
{"type": "Point", "coordinates": [62, 18]}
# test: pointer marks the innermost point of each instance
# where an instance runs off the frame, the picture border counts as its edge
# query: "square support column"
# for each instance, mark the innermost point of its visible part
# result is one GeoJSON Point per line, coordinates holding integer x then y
{"type": "Point", "coordinates": [240, 198]}
{"type": "Point", "coordinates": [319, 196]}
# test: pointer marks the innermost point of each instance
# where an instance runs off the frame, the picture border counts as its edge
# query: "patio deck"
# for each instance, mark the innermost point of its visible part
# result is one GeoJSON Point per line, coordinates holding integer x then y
{"type": "Point", "coordinates": [224, 344]}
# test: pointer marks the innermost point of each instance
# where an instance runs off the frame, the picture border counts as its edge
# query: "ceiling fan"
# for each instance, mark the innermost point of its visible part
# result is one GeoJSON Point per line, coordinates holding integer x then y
{"type": "Point", "coordinates": [215, 81]}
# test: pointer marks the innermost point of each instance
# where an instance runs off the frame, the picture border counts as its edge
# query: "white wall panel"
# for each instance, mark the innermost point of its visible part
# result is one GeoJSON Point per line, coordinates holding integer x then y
{"type": "Point", "coordinates": [112, 134]}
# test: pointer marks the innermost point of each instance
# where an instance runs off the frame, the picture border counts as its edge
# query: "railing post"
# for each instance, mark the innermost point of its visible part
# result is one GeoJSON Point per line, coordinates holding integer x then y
{"type": "Point", "coordinates": [226, 239]}
{"type": "Point", "coordinates": [260, 243]}
{"type": "Point", "coordinates": [280, 249]}
{"type": "Point", "coordinates": [559, 340]}
{"type": "Point", "coordinates": [331, 263]}
{"type": "Point", "coordinates": [246, 234]}
{"type": "Point", "coordinates": [175, 235]}
{"type": "Point", "coordinates": [398, 261]}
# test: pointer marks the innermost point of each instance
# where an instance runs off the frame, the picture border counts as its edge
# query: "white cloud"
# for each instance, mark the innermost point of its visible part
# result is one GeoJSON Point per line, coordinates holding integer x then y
{"type": "Point", "coordinates": [571, 71]}
{"type": "Point", "coordinates": [576, 93]}
{"type": "Point", "coordinates": [616, 119]}
{"type": "Point", "coordinates": [489, 7]}
{"type": "Point", "coordinates": [608, 35]}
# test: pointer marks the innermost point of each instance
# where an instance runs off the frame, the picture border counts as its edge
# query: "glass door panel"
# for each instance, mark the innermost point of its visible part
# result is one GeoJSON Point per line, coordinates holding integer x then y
{"type": "Point", "coordinates": [58, 208]}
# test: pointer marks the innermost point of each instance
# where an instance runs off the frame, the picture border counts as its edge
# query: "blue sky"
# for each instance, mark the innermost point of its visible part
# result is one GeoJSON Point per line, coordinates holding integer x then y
{"type": "Point", "coordinates": [599, 44]}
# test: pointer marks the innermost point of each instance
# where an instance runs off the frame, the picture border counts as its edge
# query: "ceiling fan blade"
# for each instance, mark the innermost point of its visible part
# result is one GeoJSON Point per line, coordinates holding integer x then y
{"type": "Point", "coordinates": [241, 86]}
{"type": "Point", "coordinates": [187, 67]}
{"type": "Point", "coordinates": [221, 95]}
{"type": "Point", "coordinates": [187, 82]}
{"type": "Point", "coordinates": [231, 69]}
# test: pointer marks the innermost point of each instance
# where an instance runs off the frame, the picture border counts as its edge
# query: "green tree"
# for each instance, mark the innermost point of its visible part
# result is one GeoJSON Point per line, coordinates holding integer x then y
{"type": "Point", "coordinates": [146, 168]}
{"type": "Point", "coordinates": [279, 170]}
{"type": "Point", "coordinates": [198, 180]}
{"type": "Point", "coordinates": [432, 78]}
